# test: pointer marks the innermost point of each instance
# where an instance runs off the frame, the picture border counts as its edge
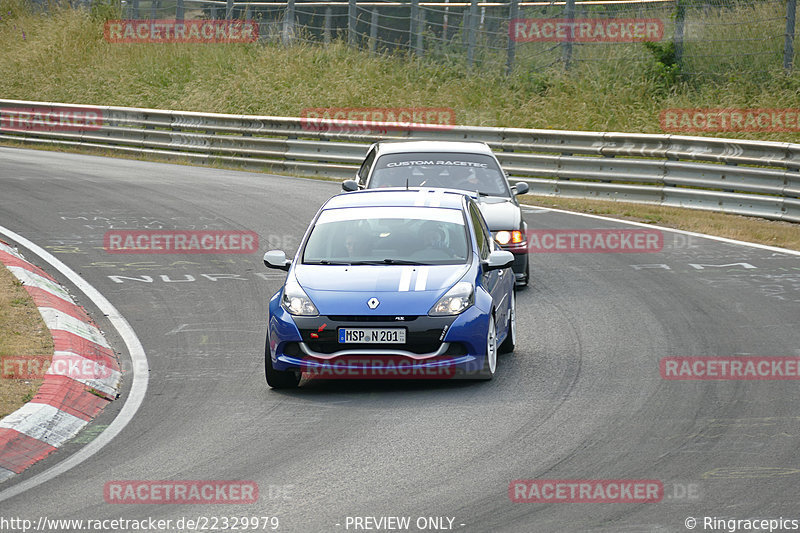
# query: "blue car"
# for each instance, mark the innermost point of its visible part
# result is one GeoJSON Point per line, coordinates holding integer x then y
{"type": "Point", "coordinates": [392, 283]}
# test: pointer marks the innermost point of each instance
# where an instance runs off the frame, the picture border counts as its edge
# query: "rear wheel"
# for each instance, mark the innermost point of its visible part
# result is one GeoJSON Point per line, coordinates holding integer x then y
{"type": "Point", "coordinates": [511, 336]}
{"type": "Point", "coordinates": [279, 379]}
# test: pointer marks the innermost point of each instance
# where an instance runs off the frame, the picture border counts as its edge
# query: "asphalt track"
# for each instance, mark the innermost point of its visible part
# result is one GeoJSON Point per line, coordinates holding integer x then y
{"type": "Point", "coordinates": [580, 398]}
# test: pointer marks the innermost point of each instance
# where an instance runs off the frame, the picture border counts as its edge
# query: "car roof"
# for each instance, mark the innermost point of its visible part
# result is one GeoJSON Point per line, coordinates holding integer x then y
{"type": "Point", "coordinates": [400, 147]}
{"type": "Point", "coordinates": [399, 197]}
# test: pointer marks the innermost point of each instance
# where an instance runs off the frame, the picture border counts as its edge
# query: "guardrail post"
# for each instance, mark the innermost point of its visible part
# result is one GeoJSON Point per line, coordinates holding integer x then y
{"type": "Point", "coordinates": [569, 14]}
{"type": "Point", "coordinates": [179, 10]}
{"type": "Point", "coordinates": [413, 19]}
{"type": "Point", "coordinates": [680, 17]}
{"type": "Point", "coordinates": [373, 30]}
{"type": "Point", "coordinates": [421, 32]}
{"type": "Point", "coordinates": [788, 46]}
{"type": "Point", "coordinates": [153, 8]}
{"type": "Point", "coordinates": [288, 23]}
{"type": "Point", "coordinates": [135, 10]}
{"type": "Point", "coordinates": [351, 22]}
{"type": "Point", "coordinates": [471, 32]}
{"type": "Point", "coordinates": [213, 11]}
{"type": "Point", "coordinates": [229, 10]}
{"type": "Point", "coordinates": [513, 13]}
{"type": "Point", "coordinates": [445, 20]}
{"type": "Point", "coordinates": [248, 12]}
{"type": "Point", "coordinates": [326, 30]}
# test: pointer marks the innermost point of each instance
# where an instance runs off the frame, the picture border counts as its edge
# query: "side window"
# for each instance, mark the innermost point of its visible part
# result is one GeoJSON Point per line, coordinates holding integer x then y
{"type": "Point", "coordinates": [481, 232]}
{"type": "Point", "coordinates": [363, 172]}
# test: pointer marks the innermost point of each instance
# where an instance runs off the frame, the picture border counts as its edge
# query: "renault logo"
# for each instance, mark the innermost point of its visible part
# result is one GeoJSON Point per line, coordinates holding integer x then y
{"type": "Point", "coordinates": [373, 303]}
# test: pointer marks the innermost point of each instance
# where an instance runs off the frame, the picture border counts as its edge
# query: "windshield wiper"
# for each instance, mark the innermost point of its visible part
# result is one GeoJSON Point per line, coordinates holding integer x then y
{"type": "Point", "coordinates": [326, 262]}
{"type": "Point", "coordinates": [390, 262]}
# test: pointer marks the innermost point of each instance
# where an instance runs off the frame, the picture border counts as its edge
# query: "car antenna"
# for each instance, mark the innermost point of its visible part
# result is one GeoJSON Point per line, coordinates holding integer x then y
{"type": "Point", "coordinates": [406, 183]}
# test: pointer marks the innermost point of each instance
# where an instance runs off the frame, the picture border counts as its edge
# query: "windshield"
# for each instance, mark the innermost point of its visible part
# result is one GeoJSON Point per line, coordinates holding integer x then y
{"type": "Point", "coordinates": [468, 172]}
{"type": "Point", "coordinates": [388, 235]}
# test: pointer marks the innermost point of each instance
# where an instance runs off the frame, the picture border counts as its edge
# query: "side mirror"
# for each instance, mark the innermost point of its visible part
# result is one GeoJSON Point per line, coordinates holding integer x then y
{"type": "Point", "coordinates": [498, 260]}
{"type": "Point", "coordinates": [277, 259]}
{"type": "Point", "coordinates": [349, 185]}
{"type": "Point", "coordinates": [520, 188]}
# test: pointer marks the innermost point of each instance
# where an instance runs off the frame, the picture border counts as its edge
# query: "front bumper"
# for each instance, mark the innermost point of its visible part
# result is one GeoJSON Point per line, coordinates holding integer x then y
{"type": "Point", "coordinates": [436, 347]}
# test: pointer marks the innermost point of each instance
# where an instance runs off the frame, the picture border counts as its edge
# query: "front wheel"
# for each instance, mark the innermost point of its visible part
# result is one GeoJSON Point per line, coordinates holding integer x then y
{"type": "Point", "coordinates": [511, 336]}
{"type": "Point", "coordinates": [279, 379]}
{"type": "Point", "coordinates": [490, 361]}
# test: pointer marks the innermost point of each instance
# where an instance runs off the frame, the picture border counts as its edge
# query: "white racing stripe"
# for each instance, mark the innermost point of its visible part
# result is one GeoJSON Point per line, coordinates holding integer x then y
{"type": "Point", "coordinates": [422, 278]}
{"type": "Point", "coordinates": [405, 279]}
{"type": "Point", "coordinates": [436, 198]}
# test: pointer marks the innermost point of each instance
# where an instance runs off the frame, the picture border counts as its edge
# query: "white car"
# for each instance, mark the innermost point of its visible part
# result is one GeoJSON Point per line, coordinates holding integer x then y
{"type": "Point", "coordinates": [467, 166]}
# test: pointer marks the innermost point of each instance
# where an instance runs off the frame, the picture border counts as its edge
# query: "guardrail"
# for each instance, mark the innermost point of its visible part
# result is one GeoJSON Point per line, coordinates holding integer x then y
{"type": "Point", "coordinates": [744, 177]}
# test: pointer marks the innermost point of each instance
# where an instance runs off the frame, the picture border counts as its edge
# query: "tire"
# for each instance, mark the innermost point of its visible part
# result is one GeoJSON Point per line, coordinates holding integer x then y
{"type": "Point", "coordinates": [511, 336]}
{"type": "Point", "coordinates": [490, 361]}
{"type": "Point", "coordinates": [279, 379]}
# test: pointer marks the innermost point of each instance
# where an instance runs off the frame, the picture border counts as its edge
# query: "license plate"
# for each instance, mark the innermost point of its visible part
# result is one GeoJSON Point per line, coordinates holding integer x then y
{"type": "Point", "coordinates": [372, 335]}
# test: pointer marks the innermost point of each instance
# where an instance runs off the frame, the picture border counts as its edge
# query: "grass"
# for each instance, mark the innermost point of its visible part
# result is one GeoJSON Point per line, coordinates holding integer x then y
{"type": "Point", "coordinates": [63, 57]}
{"type": "Point", "coordinates": [22, 333]}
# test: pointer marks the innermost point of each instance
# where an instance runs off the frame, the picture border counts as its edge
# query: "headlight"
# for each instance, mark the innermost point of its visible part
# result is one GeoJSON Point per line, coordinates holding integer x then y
{"type": "Point", "coordinates": [506, 237]}
{"type": "Point", "coordinates": [455, 301]}
{"type": "Point", "coordinates": [296, 301]}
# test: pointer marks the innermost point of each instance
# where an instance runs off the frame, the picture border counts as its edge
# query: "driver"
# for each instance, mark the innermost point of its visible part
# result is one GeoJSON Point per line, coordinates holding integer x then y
{"type": "Point", "coordinates": [433, 237]}
{"type": "Point", "coordinates": [464, 178]}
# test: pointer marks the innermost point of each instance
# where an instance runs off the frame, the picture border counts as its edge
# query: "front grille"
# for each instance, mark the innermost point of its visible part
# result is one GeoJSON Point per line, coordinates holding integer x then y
{"type": "Point", "coordinates": [372, 318]}
{"type": "Point", "coordinates": [423, 333]}
{"type": "Point", "coordinates": [422, 343]}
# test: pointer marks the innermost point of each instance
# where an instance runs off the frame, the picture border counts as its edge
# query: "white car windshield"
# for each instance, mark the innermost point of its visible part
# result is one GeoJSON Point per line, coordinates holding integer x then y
{"type": "Point", "coordinates": [388, 235]}
{"type": "Point", "coordinates": [469, 172]}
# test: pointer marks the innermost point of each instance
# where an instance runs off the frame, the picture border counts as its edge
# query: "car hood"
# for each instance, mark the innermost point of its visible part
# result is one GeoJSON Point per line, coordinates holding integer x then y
{"type": "Point", "coordinates": [500, 213]}
{"type": "Point", "coordinates": [400, 289]}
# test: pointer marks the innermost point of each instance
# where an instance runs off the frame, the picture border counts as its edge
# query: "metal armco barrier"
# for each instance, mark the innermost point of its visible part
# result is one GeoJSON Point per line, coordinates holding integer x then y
{"type": "Point", "coordinates": [733, 176]}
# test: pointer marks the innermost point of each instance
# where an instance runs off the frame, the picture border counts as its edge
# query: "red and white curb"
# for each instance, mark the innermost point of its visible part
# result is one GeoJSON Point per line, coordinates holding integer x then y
{"type": "Point", "coordinates": [83, 377]}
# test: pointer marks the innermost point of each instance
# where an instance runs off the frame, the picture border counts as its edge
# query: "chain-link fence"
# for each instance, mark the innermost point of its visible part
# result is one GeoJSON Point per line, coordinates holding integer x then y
{"type": "Point", "coordinates": [693, 37]}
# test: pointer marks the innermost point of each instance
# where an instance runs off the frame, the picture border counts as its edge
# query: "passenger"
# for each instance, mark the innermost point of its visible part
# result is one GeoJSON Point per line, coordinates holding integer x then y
{"type": "Point", "coordinates": [356, 244]}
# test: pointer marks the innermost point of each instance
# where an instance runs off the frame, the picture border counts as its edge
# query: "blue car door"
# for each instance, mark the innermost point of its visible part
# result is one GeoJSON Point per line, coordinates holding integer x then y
{"type": "Point", "coordinates": [494, 281]}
